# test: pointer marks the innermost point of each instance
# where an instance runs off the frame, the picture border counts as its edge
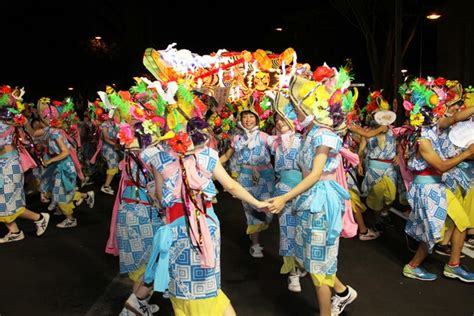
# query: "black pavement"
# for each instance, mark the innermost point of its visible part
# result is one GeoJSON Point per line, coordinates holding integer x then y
{"type": "Point", "coordinates": [66, 272]}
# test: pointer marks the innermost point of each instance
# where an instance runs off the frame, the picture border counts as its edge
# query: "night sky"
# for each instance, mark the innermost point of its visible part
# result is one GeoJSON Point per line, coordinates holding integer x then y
{"type": "Point", "coordinates": [50, 46]}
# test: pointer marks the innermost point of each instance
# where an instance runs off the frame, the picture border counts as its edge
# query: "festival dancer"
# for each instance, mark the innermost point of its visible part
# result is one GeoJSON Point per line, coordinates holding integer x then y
{"type": "Point", "coordinates": [12, 193]}
{"type": "Point", "coordinates": [379, 184]}
{"type": "Point", "coordinates": [320, 198]}
{"type": "Point", "coordinates": [60, 175]}
{"type": "Point", "coordinates": [431, 201]}
{"type": "Point", "coordinates": [286, 147]}
{"type": "Point", "coordinates": [190, 240]}
{"type": "Point", "coordinates": [256, 173]}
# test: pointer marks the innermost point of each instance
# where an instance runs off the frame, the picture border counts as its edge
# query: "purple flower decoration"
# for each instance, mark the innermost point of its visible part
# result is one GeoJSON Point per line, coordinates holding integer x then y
{"type": "Point", "coordinates": [194, 129]}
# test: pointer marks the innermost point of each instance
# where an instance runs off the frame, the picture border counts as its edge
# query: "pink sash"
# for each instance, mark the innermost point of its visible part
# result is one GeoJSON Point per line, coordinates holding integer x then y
{"type": "Point", "coordinates": [112, 246]}
{"type": "Point", "coordinates": [26, 161]}
{"type": "Point", "coordinates": [196, 182]}
{"type": "Point", "coordinates": [349, 226]}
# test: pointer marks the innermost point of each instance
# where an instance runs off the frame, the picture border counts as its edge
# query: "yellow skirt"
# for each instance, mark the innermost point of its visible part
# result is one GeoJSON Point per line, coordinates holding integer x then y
{"type": "Point", "coordinates": [357, 204]}
{"type": "Point", "coordinates": [469, 205]}
{"type": "Point", "coordinates": [11, 218]}
{"type": "Point", "coordinates": [256, 228]}
{"type": "Point", "coordinates": [382, 194]}
{"type": "Point", "coordinates": [320, 279]}
{"type": "Point", "coordinates": [457, 215]}
{"type": "Point", "coordinates": [213, 306]}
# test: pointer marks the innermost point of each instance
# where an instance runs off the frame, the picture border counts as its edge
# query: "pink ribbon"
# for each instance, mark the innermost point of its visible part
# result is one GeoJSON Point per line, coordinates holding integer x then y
{"type": "Point", "coordinates": [112, 245]}
{"type": "Point", "coordinates": [349, 226]}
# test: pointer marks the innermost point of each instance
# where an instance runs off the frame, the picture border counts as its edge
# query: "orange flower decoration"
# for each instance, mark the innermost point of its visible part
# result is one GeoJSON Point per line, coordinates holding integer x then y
{"type": "Point", "coordinates": [180, 143]}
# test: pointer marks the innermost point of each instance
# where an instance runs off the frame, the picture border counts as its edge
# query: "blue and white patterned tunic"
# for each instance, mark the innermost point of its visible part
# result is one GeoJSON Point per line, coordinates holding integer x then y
{"type": "Point", "coordinates": [319, 210]}
{"type": "Point", "coordinates": [256, 174]}
{"type": "Point", "coordinates": [12, 195]}
{"type": "Point", "coordinates": [427, 200]}
{"type": "Point", "coordinates": [459, 175]}
{"type": "Point", "coordinates": [376, 170]}
{"type": "Point", "coordinates": [188, 280]}
{"type": "Point", "coordinates": [59, 178]}
{"type": "Point", "coordinates": [288, 176]}
{"type": "Point", "coordinates": [108, 151]}
{"type": "Point", "coordinates": [137, 222]}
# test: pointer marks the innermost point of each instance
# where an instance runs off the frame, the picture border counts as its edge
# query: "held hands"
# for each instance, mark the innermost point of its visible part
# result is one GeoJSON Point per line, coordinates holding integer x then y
{"type": "Point", "coordinates": [276, 204]}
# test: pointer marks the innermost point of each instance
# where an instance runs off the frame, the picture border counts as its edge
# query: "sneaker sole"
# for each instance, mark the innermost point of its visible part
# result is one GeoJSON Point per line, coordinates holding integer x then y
{"type": "Point", "coordinates": [295, 290]}
{"type": "Point", "coordinates": [256, 256]}
{"type": "Point", "coordinates": [130, 308]}
{"type": "Point", "coordinates": [348, 302]}
{"type": "Point", "coordinates": [442, 253]}
{"type": "Point", "coordinates": [455, 276]}
{"type": "Point", "coordinates": [411, 276]}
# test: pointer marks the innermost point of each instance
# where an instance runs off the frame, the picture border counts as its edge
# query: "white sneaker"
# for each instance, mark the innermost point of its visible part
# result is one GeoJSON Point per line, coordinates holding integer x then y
{"type": "Point", "coordinates": [12, 237]}
{"type": "Point", "coordinates": [52, 206]}
{"type": "Point", "coordinates": [140, 307]}
{"type": "Point", "coordinates": [301, 272]}
{"type": "Point", "coordinates": [107, 190]}
{"type": "Point", "coordinates": [67, 223]}
{"type": "Point", "coordinates": [90, 199]}
{"type": "Point", "coordinates": [42, 224]}
{"type": "Point", "coordinates": [339, 303]}
{"type": "Point", "coordinates": [86, 181]}
{"type": "Point", "coordinates": [256, 251]}
{"type": "Point", "coordinates": [294, 283]}
{"type": "Point", "coordinates": [369, 235]}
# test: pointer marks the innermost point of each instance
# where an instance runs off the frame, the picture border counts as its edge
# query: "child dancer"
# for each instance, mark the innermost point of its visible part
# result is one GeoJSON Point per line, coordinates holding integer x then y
{"type": "Point", "coordinates": [256, 173]}
{"type": "Point", "coordinates": [431, 202]}
{"type": "Point", "coordinates": [12, 193]}
{"type": "Point", "coordinates": [320, 198]}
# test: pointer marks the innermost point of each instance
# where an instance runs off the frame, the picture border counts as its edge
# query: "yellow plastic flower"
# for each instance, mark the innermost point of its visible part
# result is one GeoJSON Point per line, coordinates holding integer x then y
{"type": "Point", "coordinates": [149, 127]}
{"type": "Point", "coordinates": [416, 119]}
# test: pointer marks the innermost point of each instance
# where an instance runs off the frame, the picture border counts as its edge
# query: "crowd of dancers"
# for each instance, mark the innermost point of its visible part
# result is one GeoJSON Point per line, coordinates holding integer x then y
{"type": "Point", "coordinates": [279, 136]}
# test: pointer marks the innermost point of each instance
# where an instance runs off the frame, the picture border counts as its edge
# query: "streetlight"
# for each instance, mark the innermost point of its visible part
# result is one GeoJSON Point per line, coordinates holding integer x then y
{"type": "Point", "coordinates": [278, 29]}
{"type": "Point", "coordinates": [433, 16]}
{"type": "Point", "coordinates": [70, 88]}
{"type": "Point", "coordinates": [98, 38]}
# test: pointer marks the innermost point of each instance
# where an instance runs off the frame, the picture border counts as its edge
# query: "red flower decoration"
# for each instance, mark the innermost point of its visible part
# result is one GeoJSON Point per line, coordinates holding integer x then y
{"type": "Point", "coordinates": [421, 80]}
{"type": "Point", "coordinates": [323, 72]}
{"type": "Point", "coordinates": [439, 110]}
{"type": "Point", "coordinates": [57, 103]}
{"type": "Point", "coordinates": [440, 81]}
{"type": "Point", "coordinates": [55, 123]}
{"type": "Point", "coordinates": [20, 119]}
{"type": "Point", "coordinates": [180, 143]}
{"type": "Point", "coordinates": [372, 106]}
{"type": "Point", "coordinates": [5, 89]}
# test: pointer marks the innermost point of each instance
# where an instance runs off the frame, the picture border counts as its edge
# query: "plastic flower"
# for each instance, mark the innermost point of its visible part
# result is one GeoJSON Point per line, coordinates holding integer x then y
{"type": "Point", "coordinates": [125, 134]}
{"type": "Point", "coordinates": [323, 72]}
{"type": "Point", "coordinates": [180, 143]}
{"type": "Point", "coordinates": [149, 127]}
{"type": "Point", "coordinates": [440, 81]}
{"type": "Point", "coordinates": [417, 119]}
{"type": "Point", "coordinates": [439, 110]}
{"type": "Point", "coordinates": [407, 105]}
{"type": "Point", "coordinates": [20, 119]}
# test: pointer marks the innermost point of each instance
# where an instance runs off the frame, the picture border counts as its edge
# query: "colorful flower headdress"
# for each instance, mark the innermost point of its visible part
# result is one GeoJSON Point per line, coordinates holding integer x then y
{"type": "Point", "coordinates": [424, 99]}
{"type": "Point", "coordinates": [468, 96]}
{"type": "Point", "coordinates": [11, 104]}
{"type": "Point", "coordinates": [327, 97]}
